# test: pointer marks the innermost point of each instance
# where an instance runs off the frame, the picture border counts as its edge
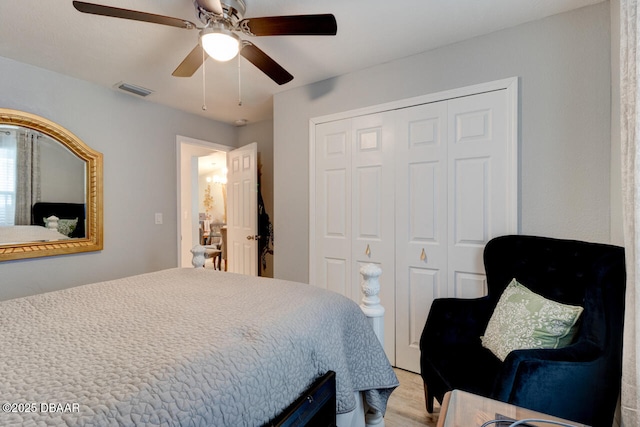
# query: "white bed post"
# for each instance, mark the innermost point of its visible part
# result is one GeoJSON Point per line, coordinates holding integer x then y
{"type": "Point", "coordinates": [52, 222]}
{"type": "Point", "coordinates": [372, 308]}
{"type": "Point", "coordinates": [198, 256]}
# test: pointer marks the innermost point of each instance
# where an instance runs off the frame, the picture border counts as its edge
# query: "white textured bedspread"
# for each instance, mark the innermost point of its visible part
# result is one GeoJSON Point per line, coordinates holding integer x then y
{"type": "Point", "coordinates": [28, 233]}
{"type": "Point", "coordinates": [189, 347]}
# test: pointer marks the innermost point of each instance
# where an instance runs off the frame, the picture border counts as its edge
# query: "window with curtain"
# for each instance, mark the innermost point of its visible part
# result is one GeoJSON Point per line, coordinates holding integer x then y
{"type": "Point", "coordinates": [8, 146]}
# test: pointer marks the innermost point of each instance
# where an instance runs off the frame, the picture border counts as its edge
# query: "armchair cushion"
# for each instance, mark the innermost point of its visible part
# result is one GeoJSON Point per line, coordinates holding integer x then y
{"type": "Point", "coordinates": [523, 319]}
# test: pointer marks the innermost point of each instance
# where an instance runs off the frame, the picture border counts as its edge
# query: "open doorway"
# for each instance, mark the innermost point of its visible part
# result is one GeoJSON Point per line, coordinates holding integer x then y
{"type": "Point", "coordinates": [191, 195]}
{"type": "Point", "coordinates": [235, 210]}
{"type": "Point", "coordinates": [212, 208]}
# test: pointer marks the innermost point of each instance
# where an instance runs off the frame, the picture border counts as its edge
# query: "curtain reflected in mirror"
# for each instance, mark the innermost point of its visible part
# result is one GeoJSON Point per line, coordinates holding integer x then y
{"type": "Point", "coordinates": [27, 174]}
{"type": "Point", "coordinates": [50, 189]}
{"type": "Point", "coordinates": [20, 180]}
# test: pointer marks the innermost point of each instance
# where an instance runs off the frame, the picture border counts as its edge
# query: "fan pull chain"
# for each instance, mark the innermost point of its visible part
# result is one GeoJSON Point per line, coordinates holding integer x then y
{"type": "Point", "coordinates": [204, 98]}
{"type": "Point", "coordinates": [239, 84]}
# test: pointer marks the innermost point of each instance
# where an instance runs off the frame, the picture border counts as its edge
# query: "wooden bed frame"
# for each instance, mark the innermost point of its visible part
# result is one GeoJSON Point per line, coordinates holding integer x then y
{"type": "Point", "coordinates": [316, 406]}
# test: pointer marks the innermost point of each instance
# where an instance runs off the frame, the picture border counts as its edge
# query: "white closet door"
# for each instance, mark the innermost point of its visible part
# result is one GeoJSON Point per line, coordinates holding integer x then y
{"type": "Point", "coordinates": [333, 207]}
{"type": "Point", "coordinates": [373, 201]}
{"type": "Point", "coordinates": [421, 223]}
{"type": "Point", "coordinates": [479, 186]}
{"type": "Point", "coordinates": [453, 197]}
{"type": "Point", "coordinates": [420, 191]}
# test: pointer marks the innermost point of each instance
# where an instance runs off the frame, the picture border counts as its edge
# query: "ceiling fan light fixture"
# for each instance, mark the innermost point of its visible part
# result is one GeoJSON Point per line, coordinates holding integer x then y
{"type": "Point", "coordinates": [220, 43]}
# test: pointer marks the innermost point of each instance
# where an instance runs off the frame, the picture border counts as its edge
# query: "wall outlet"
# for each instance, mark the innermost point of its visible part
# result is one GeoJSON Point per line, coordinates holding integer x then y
{"type": "Point", "coordinates": [158, 218]}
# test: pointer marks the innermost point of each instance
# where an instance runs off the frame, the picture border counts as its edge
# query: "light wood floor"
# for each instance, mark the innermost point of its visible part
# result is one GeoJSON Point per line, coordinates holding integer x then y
{"type": "Point", "coordinates": [406, 406]}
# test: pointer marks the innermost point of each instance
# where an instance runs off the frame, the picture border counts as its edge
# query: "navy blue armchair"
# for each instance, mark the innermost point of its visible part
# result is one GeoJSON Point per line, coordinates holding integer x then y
{"type": "Point", "coordinates": [580, 382]}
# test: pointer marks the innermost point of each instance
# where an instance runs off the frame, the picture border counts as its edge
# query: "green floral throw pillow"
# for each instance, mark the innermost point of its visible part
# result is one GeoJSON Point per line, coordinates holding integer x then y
{"type": "Point", "coordinates": [66, 226]}
{"type": "Point", "coordinates": [523, 319]}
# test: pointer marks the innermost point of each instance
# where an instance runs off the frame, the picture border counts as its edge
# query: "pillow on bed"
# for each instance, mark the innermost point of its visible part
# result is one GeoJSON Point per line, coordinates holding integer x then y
{"type": "Point", "coordinates": [523, 319]}
{"type": "Point", "coordinates": [66, 226]}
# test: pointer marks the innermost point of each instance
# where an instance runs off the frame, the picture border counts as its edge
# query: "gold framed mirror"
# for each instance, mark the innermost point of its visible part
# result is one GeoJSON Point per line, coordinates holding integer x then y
{"type": "Point", "coordinates": [50, 189]}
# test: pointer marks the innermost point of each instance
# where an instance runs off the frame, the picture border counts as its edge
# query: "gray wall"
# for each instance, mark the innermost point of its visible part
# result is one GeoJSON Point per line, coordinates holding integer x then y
{"type": "Point", "coordinates": [617, 234]}
{"type": "Point", "coordinates": [138, 141]}
{"type": "Point", "coordinates": [563, 63]}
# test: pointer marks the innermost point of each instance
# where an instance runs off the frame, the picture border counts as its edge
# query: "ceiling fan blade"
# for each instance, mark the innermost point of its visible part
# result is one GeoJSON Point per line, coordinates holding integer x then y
{"type": "Point", "coordinates": [115, 12]}
{"type": "Point", "coordinates": [267, 65]}
{"type": "Point", "coordinates": [191, 63]}
{"type": "Point", "coordinates": [211, 6]}
{"type": "Point", "coordinates": [294, 25]}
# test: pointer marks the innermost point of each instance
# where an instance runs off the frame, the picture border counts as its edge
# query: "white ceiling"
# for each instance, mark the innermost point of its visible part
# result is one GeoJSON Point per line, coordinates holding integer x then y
{"type": "Point", "coordinates": [51, 34]}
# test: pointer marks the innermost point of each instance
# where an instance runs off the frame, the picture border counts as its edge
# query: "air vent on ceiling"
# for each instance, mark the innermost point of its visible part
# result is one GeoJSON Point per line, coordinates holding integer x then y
{"type": "Point", "coordinates": [136, 90]}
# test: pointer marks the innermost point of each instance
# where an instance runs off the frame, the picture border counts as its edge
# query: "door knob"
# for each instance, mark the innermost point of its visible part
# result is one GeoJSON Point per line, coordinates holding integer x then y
{"type": "Point", "coordinates": [256, 237]}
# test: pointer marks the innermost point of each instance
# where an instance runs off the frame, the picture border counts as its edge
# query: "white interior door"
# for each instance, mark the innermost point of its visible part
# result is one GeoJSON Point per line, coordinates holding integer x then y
{"type": "Point", "coordinates": [354, 216]}
{"type": "Point", "coordinates": [456, 191]}
{"type": "Point", "coordinates": [421, 223]}
{"type": "Point", "coordinates": [333, 207]}
{"type": "Point", "coordinates": [372, 211]}
{"type": "Point", "coordinates": [242, 210]}
{"type": "Point", "coordinates": [480, 182]}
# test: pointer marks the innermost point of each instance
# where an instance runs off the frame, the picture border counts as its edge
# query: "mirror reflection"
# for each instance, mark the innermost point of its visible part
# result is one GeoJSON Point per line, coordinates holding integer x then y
{"type": "Point", "coordinates": [50, 189]}
{"type": "Point", "coordinates": [42, 188]}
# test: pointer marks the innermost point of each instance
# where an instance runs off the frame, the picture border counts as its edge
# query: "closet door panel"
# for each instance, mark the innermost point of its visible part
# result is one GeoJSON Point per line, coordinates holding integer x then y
{"type": "Point", "coordinates": [334, 209]}
{"type": "Point", "coordinates": [332, 228]}
{"type": "Point", "coordinates": [424, 194]}
{"type": "Point", "coordinates": [422, 288]}
{"type": "Point", "coordinates": [421, 223]}
{"type": "Point", "coordinates": [368, 200]}
{"type": "Point", "coordinates": [373, 210]}
{"type": "Point", "coordinates": [469, 285]}
{"type": "Point", "coordinates": [471, 211]}
{"type": "Point", "coordinates": [336, 273]}
{"type": "Point", "coordinates": [477, 179]}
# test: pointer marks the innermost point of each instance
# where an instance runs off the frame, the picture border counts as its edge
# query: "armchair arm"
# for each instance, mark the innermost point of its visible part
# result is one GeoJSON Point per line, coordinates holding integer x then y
{"type": "Point", "coordinates": [456, 321]}
{"type": "Point", "coordinates": [572, 372]}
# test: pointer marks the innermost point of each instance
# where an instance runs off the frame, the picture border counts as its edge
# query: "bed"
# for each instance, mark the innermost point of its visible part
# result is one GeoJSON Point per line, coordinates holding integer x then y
{"type": "Point", "coordinates": [28, 233]}
{"type": "Point", "coordinates": [63, 211]}
{"type": "Point", "coordinates": [183, 347]}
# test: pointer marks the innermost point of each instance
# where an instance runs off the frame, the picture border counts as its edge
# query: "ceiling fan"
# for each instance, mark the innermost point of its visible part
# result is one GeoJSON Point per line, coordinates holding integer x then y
{"type": "Point", "coordinates": [218, 39]}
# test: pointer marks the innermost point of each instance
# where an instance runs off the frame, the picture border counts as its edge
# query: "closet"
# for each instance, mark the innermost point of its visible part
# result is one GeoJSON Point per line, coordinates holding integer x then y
{"type": "Point", "coordinates": [418, 187]}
